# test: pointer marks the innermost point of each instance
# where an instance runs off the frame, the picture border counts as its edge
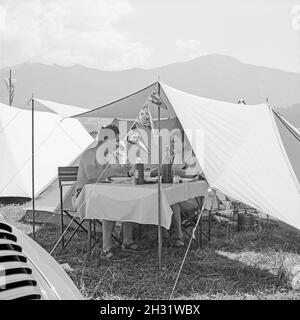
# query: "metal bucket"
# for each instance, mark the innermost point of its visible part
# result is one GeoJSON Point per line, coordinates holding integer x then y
{"type": "Point", "coordinates": [245, 221]}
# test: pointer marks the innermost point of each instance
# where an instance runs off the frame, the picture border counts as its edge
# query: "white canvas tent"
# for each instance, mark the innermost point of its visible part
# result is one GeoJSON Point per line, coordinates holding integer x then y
{"type": "Point", "coordinates": [63, 110]}
{"type": "Point", "coordinates": [67, 111]}
{"type": "Point", "coordinates": [57, 143]}
{"type": "Point", "coordinates": [246, 152]}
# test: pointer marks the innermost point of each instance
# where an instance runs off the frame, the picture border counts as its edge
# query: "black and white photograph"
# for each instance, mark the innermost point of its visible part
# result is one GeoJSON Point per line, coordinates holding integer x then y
{"type": "Point", "coordinates": [149, 154]}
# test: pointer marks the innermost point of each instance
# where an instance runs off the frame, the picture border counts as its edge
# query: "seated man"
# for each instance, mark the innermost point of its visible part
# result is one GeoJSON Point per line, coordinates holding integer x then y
{"type": "Point", "coordinates": [93, 169]}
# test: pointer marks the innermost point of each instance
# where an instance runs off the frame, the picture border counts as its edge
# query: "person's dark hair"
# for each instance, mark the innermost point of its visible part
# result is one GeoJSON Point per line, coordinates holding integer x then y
{"type": "Point", "coordinates": [109, 132]}
{"type": "Point", "coordinates": [112, 127]}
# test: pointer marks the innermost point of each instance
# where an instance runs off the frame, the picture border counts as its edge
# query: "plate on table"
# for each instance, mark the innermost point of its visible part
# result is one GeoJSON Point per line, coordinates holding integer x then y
{"type": "Point", "coordinates": [186, 180]}
{"type": "Point", "coordinates": [190, 176]}
{"type": "Point", "coordinates": [120, 179]}
{"type": "Point", "coordinates": [150, 180]}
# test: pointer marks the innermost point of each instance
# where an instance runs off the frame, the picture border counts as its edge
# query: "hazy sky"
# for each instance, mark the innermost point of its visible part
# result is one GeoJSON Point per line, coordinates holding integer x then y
{"type": "Point", "coordinates": [121, 34]}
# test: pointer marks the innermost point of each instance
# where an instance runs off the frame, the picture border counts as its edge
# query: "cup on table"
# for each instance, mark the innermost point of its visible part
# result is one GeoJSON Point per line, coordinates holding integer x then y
{"type": "Point", "coordinates": [176, 179]}
{"type": "Point", "coordinates": [147, 173]}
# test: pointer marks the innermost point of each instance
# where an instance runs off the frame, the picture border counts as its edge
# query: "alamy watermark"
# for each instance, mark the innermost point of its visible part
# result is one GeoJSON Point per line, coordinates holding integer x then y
{"type": "Point", "coordinates": [126, 148]}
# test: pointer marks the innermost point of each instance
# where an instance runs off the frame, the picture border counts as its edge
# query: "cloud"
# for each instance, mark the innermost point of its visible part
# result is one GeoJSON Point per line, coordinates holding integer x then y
{"type": "Point", "coordinates": [2, 18]}
{"type": "Point", "coordinates": [71, 32]}
{"type": "Point", "coordinates": [192, 47]}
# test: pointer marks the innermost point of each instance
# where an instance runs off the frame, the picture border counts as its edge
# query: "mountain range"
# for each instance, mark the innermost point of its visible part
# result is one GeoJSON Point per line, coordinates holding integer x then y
{"type": "Point", "coordinates": [213, 76]}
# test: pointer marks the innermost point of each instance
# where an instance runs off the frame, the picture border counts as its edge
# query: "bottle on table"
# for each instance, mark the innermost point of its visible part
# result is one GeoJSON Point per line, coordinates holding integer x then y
{"type": "Point", "coordinates": [139, 171]}
{"type": "Point", "coordinates": [167, 174]}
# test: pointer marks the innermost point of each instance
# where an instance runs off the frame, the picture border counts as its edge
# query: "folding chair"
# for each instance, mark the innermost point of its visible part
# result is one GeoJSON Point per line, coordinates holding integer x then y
{"type": "Point", "coordinates": [190, 217]}
{"type": "Point", "coordinates": [67, 176]}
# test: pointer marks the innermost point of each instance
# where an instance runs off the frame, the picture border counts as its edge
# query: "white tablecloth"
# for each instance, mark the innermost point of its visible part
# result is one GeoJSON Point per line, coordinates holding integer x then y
{"type": "Point", "coordinates": [135, 203]}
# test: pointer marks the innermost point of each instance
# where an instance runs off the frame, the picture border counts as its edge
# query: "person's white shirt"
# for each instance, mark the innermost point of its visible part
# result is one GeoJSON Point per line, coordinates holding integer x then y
{"type": "Point", "coordinates": [189, 165]}
{"type": "Point", "coordinates": [91, 169]}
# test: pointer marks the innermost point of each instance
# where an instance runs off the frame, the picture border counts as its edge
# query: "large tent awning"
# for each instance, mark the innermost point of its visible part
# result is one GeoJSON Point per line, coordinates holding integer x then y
{"type": "Point", "coordinates": [241, 153]}
{"type": "Point", "coordinates": [241, 149]}
{"type": "Point", "coordinates": [246, 152]}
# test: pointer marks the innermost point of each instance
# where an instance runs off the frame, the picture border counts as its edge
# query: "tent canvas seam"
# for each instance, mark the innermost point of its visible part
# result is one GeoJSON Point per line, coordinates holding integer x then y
{"type": "Point", "coordinates": [240, 146]}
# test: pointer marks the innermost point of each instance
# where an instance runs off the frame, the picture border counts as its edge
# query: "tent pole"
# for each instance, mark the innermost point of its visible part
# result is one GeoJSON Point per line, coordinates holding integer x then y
{"type": "Point", "coordinates": [32, 166]}
{"type": "Point", "coordinates": [159, 187]}
{"type": "Point", "coordinates": [9, 88]}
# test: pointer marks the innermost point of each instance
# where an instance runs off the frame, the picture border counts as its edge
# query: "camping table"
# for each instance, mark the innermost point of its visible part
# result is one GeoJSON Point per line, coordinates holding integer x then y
{"type": "Point", "coordinates": [127, 202]}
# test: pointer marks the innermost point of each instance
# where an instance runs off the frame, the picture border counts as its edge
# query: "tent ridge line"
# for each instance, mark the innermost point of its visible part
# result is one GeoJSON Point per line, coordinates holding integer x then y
{"type": "Point", "coordinates": [115, 101]}
{"type": "Point", "coordinates": [282, 148]}
{"type": "Point", "coordinates": [284, 122]}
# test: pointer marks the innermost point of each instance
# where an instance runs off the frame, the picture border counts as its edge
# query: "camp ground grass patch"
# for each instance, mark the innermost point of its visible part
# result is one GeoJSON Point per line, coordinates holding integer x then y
{"type": "Point", "coordinates": [243, 265]}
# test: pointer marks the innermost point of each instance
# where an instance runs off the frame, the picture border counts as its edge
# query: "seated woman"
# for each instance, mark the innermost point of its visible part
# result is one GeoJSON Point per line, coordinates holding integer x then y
{"type": "Point", "coordinates": [188, 168]}
{"type": "Point", "coordinates": [93, 169]}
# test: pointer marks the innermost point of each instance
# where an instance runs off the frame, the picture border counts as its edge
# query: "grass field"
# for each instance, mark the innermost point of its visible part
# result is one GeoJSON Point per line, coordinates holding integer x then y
{"type": "Point", "coordinates": [246, 265]}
